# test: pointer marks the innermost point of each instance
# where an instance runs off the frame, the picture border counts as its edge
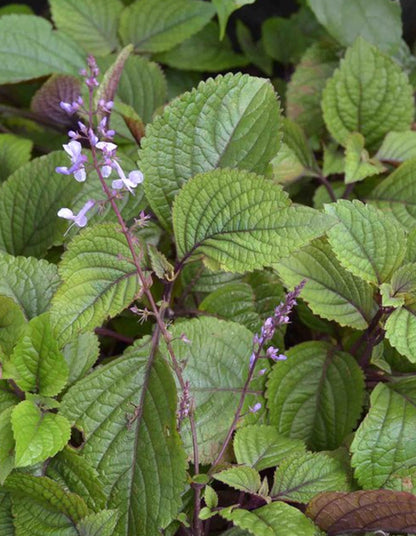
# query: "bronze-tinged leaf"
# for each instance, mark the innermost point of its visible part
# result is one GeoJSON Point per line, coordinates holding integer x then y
{"type": "Point", "coordinates": [46, 100]}
{"type": "Point", "coordinates": [364, 511]}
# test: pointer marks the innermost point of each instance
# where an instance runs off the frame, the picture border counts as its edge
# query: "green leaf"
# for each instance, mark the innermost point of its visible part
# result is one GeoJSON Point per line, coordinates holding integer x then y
{"type": "Point", "coordinates": [367, 242]}
{"type": "Point", "coordinates": [403, 283]}
{"type": "Point", "coordinates": [253, 51]}
{"type": "Point", "coordinates": [127, 412]}
{"type": "Point", "coordinates": [358, 164]}
{"type": "Point", "coordinates": [29, 201]}
{"type": "Point", "coordinates": [398, 147]}
{"type": "Point", "coordinates": [225, 8]}
{"type": "Point", "coordinates": [98, 281]}
{"type": "Point", "coordinates": [302, 476]}
{"type": "Point", "coordinates": [101, 524]}
{"type": "Point", "coordinates": [198, 133]}
{"type": "Point", "coordinates": [369, 94]}
{"type": "Point", "coordinates": [273, 519]}
{"type": "Point", "coordinates": [304, 91]}
{"type": "Point", "coordinates": [262, 446]}
{"type": "Point", "coordinates": [198, 278]}
{"type": "Point", "coordinates": [30, 282]}
{"type": "Point", "coordinates": [242, 478]}
{"type": "Point", "coordinates": [142, 86]}
{"type": "Point", "coordinates": [30, 49]}
{"type": "Point", "coordinates": [213, 55]}
{"type": "Point", "coordinates": [330, 291]}
{"type": "Point", "coordinates": [316, 395]}
{"type": "Point", "coordinates": [240, 221]}
{"type": "Point", "coordinates": [396, 194]}
{"type": "Point", "coordinates": [38, 435]}
{"type": "Point", "coordinates": [216, 373]}
{"type": "Point", "coordinates": [7, 445]}
{"type": "Point", "coordinates": [6, 517]}
{"type": "Point", "coordinates": [384, 441]}
{"type": "Point", "coordinates": [295, 139]}
{"type": "Point", "coordinates": [284, 39]}
{"type": "Point", "coordinates": [7, 396]}
{"type": "Point", "coordinates": [33, 519]}
{"type": "Point", "coordinates": [15, 8]}
{"type": "Point", "coordinates": [14, 152]}
{"type": "Point", "coordinates": [234, 301]}
{"type": "Point", "coordinates": [154, 26]}
{"type": "Point", "coordinates": [378, 21]}
{"type": "Point", "coordinates": [92, 25]}
{"type": "Point", "coordinates": [333, 163]}
{"type": "Point", "coordinates": [210, 497]}
{"type": "Point", "coordinates": [45, 492]}
{"type": "Point", "coordinates": [72, 470]}
{"type": "Point", "coordinates": [401, 331]}
{"type": "Point", "coordinates": [80, 355]}
{"type": "Point", "coordinates": [36, 363]}
{"type": "Point", "coordinates": [12, 323]}
{"type": "Point", "coordinates": [160, 264]}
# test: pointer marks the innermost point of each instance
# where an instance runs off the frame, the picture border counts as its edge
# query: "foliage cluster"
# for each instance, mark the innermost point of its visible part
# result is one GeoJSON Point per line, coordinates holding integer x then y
{"type": "Point", "coordinates": [156, 377]}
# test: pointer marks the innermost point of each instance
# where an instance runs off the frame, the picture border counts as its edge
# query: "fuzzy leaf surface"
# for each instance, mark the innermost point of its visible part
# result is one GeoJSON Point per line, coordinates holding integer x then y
{"type": "Point", "coordinates": [72, 469]}
{"type": "Point", "coordinates": [30, 282]}
{"type": "Point", "coordinates": [373, 510]}
{"type": "Point", "coordinates": [100, 524]}
{"type": "Point", "coordinates": [316, 395]}
{"type": "Point", "coordinates": [12, 324]}
{"type": "Point", "coordinates": [7, 445]}
{"type": "Point", "coordinates": [218, 124]}
{"type": "Point", "coordinates": [262, 446]}
{"type": "Point", "coordinates": [304, 91]}
{"type": "Point", "coordinates": [367, 242]}
{"type": "Point", "coordinates": [401, 331]}
{"type": "Point", "coordinates": [378, 22]}
{"type": "Point", "coordinates": [302, 476]}
{"type": "Point", "coordinates": [131, 446]}
{"type": "Point", "coordinates": [30, 49]}
{"type": "Point", "coordinates": [242, 478]}
{"type": "Point", "coordinates": [273, 519]}
{"type": "Point", "coordinates": [369, 94]}
{"type": "Point", "coordinates": [397, 194]}
{"type": "Point", "coordinates": [46, 493]}
{"type": "Point", "coordinates": [92, 25]}
{"type": "Point", "coordinates": [80, 354]}
{"type": "Point", "coordinates": [358, 165]}
{"type": "Point", "coordinates": [225, 8]}
{"type": "Point", "coordinates": [383, 442]}
{"type": "Point", "coordinates": [29, 201]}
{"type": "Point", "coordinates": [213, 55]}
{"type": "Point", "coordinates": [37, 363]}
{"type": "Point", "coordinates": [330, 291]}
{"type": "Point", "coordinates": [398, 146]}
{"type": "Point", "coordinates": [216, 371]}
{"type": "Point", "coordinates": [14, 152]}
{"type": "Point", "coordinates": [241, 222]}
{"type": "Point", "coordinates": [154, 26]}
{"type": "Point", "coordinates": [38, 435]}
{"type": "Point", "coordinates": [142, 86]}
{"type": "Point", "coordinates": [98, 281]}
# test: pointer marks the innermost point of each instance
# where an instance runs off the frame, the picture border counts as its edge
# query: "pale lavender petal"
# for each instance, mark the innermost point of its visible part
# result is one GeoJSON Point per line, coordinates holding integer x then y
{"type": "Point", "coordinates": [80, 175]}
{"type": "Point", "coordinates": [66, 213]}
{"type": "Point", "coordinates": [136, 177]}
{"type": "Point", "coordinates": [106, 171]}
{"type": "Point", "coordinates": [118, 184]}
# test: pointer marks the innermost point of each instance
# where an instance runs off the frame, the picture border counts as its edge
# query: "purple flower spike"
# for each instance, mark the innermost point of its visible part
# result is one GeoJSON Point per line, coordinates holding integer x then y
{"type": "Point", "coordinates": [272, 353]}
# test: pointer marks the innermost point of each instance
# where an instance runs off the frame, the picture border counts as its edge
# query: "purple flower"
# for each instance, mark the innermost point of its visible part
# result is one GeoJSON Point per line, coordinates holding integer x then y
{"type": "Point", "coordinates": [255, 408]}
{"type": "Point", "coordinates": [79, 219]}
{"type": "Point", "coordinates": [272, 353]}
{"type": "Point", "coordinates": [135, 177]}
{"type": "Point", "coordinates": [71, 108]}
{"type": "Point", "coordinates": [73, 149]}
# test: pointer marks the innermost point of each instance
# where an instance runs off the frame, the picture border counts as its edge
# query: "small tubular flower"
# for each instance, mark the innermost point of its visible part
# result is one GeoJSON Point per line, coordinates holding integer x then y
{"type": "Point", "coordinates": [79, 219]}
{"type": "Point", "coordinates": [135, 177]}
{"type": "Point", "coordinates": [73, 149]}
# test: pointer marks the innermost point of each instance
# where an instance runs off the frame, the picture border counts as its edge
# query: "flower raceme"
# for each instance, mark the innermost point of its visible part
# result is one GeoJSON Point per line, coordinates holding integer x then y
{"type": "Point", "coordinates": [103, 152]}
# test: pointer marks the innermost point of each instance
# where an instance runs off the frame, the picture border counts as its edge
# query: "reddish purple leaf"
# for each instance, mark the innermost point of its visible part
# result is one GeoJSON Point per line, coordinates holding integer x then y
{"type": "Point", "coordinates": [56, 89]}
{"type": "Point", "coordinates": [363, 511]}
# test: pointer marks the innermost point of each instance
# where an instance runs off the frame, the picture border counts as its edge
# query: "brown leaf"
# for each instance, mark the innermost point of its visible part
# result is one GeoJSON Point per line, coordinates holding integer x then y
{"type": "Point", "coordinates": [363, 511]}
{"type": "Point", "coordinates": [46, 100]}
